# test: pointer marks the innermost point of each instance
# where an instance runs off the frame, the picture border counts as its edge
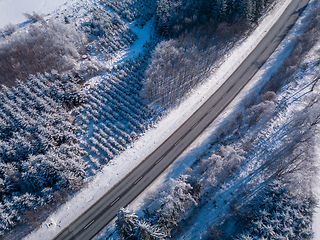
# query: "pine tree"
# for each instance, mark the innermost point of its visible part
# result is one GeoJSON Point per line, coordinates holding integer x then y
{"type": "Point", "coordinates": [281, 215]}
{"type": "Point", "coordinates": [174, 204]}
{"type": "Point", "coordinates": [145, 231]}
{"type": "Point", "coordinates": [126, 224]}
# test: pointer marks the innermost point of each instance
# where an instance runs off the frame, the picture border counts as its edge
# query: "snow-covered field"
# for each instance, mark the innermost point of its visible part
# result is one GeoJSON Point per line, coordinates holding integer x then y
{"type": "Point", "coordinates": [153, 138]}
{"type": "Point", "coordinates": [12, 11]}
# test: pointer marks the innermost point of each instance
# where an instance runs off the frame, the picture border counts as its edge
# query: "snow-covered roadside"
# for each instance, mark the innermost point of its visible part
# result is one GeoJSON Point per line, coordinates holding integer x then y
{"type": "Point", "coordinates": [153, 138]}
{"type": "Point", "coordinates": [11, 11]}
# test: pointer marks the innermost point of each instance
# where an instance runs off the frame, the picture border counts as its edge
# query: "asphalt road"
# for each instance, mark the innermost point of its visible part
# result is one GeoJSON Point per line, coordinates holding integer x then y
{"type": "Point", "coordinates": [101, 213]}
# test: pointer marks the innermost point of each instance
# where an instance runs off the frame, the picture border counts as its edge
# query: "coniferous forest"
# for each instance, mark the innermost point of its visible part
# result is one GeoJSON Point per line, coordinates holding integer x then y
{"type": "Point", "coordinates": [68, 107]}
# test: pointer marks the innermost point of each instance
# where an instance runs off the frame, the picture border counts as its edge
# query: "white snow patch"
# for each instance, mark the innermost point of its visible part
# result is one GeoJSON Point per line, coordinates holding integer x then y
{"type": "Point", "coordinates": [143, 33]}
{"type": "Point", "coordinates": [12, 11]}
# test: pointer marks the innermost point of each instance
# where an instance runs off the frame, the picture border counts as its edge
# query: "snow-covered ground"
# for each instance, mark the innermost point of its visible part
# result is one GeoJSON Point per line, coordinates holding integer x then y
{"type": "Point", "coordinates": [143, 36]}
{"type": "Point", "coordinates": [12, 11]}
{"type": "Point", "coordinates": [153, 138]}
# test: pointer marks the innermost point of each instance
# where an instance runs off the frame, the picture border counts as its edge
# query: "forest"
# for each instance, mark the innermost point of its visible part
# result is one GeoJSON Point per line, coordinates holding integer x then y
{"type": "Point", "coordinates": [194, 31]}
{"type": "Point", "coordinates": [66, 112]}
{"type": "Point", "coordinates": [39, 153]}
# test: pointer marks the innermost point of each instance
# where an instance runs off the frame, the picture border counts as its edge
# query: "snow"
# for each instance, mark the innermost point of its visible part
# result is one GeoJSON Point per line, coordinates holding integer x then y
{"type": "Point", "coordinates": [120, 166]}
{"type": "Point", "coordinates": [11, 11]}
{"type": "Point", "coordinates": [143, 34]}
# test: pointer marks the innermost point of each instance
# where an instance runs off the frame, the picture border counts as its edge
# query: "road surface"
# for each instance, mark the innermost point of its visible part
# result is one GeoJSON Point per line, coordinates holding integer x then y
{"type": "Point", "coordinates": [101, 213]}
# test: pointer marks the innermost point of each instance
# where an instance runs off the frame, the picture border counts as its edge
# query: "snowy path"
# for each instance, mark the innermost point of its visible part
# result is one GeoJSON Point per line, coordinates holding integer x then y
{"type": "Point", "coordinates": [143, 35]}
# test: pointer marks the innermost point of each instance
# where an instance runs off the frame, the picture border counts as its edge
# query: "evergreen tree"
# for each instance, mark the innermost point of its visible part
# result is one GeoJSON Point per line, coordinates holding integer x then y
{"type": "Point", "coordinates": [129, 227]}
{"type": "Point", "coordinates": [280, 215]}
{"type": "Point", "coordinates": [126, 224]}
{"type": "Point", "coordinates": [146, 231]}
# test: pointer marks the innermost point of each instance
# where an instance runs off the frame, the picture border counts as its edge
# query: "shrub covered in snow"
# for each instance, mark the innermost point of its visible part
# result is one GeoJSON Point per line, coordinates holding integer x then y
{"type": "Point", "coordinates": [172, 71]}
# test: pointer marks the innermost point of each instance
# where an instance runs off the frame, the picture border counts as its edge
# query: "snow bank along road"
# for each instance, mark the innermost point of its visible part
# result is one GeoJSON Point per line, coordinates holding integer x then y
{"type": "Point", "coordinates": [105, 209]}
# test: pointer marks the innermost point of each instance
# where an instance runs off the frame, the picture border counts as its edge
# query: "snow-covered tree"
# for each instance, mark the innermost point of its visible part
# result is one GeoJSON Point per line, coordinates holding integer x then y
{"type": "Point", "coordinates": [145, 231]}
{"type": "Point", "coordinates": [126, 224]}
{"type": "Point", "coordinates": [280, 215]}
